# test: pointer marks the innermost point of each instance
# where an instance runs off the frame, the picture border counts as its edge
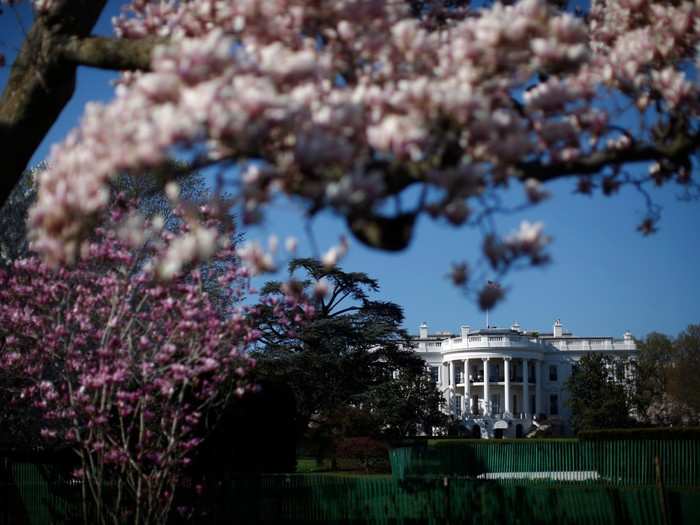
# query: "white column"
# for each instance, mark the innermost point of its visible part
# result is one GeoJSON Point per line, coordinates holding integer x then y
{"type": "Point", "coordinates": [445, 382]}
{"type": "Point", "coordinates": [506, 372]}
{"type": "Point", "coordinates": [538, 387]}
{"type": "Point", "coordinates": [526, 389]}
{"type": "Point", "coordinates": [467, 390]}
{"type": "Point", "coordinates": [451, 380]}
{"type": "Point", "coordinates": [487, 402]}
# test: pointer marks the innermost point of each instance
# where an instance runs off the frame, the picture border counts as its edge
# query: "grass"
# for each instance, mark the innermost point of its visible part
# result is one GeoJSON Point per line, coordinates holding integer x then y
{"type": "Point", "coordinates": [310, 466]}
{"type": "Point", "coordinates": [345, 467]}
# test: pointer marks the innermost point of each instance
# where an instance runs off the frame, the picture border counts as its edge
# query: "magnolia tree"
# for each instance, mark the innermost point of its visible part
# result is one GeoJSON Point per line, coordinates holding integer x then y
{"type": "Point", "coordinates": [123, 365]}
{"type": "Point", "coordinates": [379, 110]}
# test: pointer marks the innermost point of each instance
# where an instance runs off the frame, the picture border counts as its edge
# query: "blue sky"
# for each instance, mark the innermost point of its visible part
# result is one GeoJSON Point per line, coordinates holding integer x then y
{"type": "Point", "coordinates": [604, 278]}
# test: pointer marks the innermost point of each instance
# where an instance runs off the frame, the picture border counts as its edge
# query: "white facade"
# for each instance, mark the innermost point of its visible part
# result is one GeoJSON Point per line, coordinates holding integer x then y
{"type": "Point", "coordinates": [509, 381]}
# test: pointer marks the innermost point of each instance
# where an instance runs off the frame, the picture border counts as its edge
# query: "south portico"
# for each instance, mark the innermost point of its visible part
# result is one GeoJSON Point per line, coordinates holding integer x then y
{"type": "Point", "coordinates": [483, 388]}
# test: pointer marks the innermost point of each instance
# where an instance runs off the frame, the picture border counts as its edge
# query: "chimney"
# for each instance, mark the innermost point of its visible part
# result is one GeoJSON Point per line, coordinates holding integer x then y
{"type": "Point", "coordinates": [515, 326]}
{"type": "Point", "coordinates": [423, 331]}
{"type": "Point", "coordinates": [628, 335]}
{"type": "Point", "coordinates": [558, 329]}
{"type": "Point", "coordinates": [464, 330]}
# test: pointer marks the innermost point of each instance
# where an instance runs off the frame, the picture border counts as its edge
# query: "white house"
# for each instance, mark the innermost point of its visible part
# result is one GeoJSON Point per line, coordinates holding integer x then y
{"type": "Point", "coordinates": [505, 382]}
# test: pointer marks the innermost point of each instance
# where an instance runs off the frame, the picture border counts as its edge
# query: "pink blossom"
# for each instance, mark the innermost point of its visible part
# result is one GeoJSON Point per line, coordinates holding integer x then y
{"type": "Point", "coordinates": [121, 349]}
{"type": "Point", "coordinates": [343, 105]}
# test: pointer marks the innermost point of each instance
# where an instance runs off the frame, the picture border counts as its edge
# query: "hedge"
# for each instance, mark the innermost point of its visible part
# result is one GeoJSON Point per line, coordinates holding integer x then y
{"type": "Point", "coordinates": [671, 433]}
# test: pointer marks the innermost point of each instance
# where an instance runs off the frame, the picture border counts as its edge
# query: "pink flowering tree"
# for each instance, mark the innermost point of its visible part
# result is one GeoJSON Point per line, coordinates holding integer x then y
{"type": "Point", "coordinates": [122, 365]}
{"type": "Point", "coordinates": [381, 111]}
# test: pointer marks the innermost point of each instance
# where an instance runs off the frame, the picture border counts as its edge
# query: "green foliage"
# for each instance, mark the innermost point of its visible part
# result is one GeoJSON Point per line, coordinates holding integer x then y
{"type": "Point", "coordinates": [655, 354]}
{"type": "Point", "coordinates": [598, 397]}
{"type": "Point", "coordinates": [682, 381]}
{"type": "Point", "coordinates": [666, 389]}
{"type": "Point", "coordinates": [348, 369]}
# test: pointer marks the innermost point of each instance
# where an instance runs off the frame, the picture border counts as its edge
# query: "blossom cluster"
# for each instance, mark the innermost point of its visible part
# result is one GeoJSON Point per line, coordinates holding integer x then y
{"type": "Point", "coordinates": [347, 103]}
{"type": "Point", "coordinates": [122, 365]}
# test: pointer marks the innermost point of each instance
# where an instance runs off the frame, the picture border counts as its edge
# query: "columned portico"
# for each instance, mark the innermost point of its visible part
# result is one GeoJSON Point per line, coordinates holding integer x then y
{"type": "Point", "coordinates": [506, 373]}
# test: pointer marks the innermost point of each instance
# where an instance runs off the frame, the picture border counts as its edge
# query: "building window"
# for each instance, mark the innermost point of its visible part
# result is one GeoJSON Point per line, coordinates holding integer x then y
{"type": "Point", "coordinates": [554, 405]}
{"type": "Point", "coordinates": [620, 371]}
{"type": "Point", "coordinates": [553, 373]}
{"type": "Point", "coordinates": [435, 373]}
{"type": "Point", "coordinates": [496, 404]}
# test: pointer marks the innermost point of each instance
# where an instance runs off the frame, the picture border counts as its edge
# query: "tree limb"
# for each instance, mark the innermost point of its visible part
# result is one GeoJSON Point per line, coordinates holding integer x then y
{"type": "Point", "coordinates": [110, 53]}
{"type": "Point", "coordinates": [676, 151]}
{"type": "Point", "coordinates": [42, 78]}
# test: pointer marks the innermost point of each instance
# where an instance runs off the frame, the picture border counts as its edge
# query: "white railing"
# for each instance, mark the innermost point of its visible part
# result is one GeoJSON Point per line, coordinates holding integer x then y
{"type": "Point", "coordinates": [593, 345]}
{"type": "Point", "coordinates": [499, 341]}
{"type": "Point", "coordinates": [433, 346]}
{"type": "Point", "coordinates": [524, 342]}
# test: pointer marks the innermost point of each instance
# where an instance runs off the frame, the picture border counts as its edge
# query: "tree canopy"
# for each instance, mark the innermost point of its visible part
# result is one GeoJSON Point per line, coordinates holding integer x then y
{"type": "Point", "coordinates": [599, 396]}
{"type": "Point", "coordinates": [379, 111]}
{"type": "Point", "coordinates": [666, 389]}
{"type": "Point", "coordinates": [349, 366]}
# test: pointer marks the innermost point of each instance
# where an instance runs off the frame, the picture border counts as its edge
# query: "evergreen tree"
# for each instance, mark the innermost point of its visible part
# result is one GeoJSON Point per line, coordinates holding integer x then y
{"type": "Point", "coordinates": [598, 394]}
{"type": "Point", "coordinates": [349, 368]}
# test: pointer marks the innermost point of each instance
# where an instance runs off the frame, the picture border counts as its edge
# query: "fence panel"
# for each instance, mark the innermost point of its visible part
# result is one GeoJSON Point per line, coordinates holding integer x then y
{"type": "Point", "coordinates": [378, 500]}
{"type": "Point", "coordinates": [615, 461]}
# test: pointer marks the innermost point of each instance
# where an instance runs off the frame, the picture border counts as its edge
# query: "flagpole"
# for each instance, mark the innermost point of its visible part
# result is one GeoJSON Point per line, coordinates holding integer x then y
{"type": "Point", "coordinates": [490, 284]}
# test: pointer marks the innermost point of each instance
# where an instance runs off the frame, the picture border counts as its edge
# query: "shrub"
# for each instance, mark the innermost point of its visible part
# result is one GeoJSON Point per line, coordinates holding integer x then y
{"type": "Point", "coordinates": [373, 455]}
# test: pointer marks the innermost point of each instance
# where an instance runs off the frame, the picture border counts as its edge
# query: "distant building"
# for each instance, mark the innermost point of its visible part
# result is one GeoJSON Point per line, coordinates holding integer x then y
{"type": "Point", "coordinates": [508, 381]}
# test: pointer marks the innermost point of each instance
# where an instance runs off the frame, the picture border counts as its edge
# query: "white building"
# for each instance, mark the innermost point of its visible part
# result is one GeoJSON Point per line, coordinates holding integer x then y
{"type": "Point", "coordinates": [506, 382]}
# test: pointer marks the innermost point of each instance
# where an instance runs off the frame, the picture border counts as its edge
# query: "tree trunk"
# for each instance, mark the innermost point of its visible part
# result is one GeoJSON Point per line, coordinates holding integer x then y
{"type": "Point", "coordinates": [42, 77]}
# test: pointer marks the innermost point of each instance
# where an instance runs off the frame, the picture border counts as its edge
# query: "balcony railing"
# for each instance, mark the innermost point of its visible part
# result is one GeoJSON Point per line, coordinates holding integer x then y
{"type": "Point", "coordinates": [479, 378]}
{"type": "Point", "coordinates": [499, 341]}
{"type": "Point", "coordinates": [523, 342]}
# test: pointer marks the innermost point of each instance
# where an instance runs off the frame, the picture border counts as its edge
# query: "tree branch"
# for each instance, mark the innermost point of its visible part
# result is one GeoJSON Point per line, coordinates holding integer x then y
{"type": "Point", "coordinates": [110, 53]}
{"type": "Point", "coordinates": [40, 84]}
{"type": "Point", "coordinates": [676, 151]}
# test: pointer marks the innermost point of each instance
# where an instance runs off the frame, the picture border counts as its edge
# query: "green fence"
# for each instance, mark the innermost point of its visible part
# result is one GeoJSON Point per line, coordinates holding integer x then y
{"type": "Point", "coordinates": [338, 499]}
{"type": "Point", "coordinates": [437, 482]}
{"type": "Point", "coordinates": [627, 462]}
{"type": "Point", "coordinates": [32, 494]}
{"type": "Point", "coordinates": [384, 500]}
